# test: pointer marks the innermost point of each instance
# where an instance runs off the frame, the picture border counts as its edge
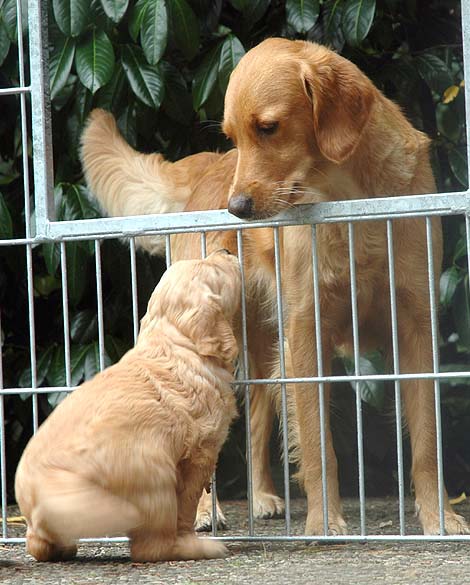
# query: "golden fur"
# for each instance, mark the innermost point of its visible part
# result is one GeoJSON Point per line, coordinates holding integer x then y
{"type": "Point", "coordinates": [131, 450]}
{"type": "Point", "coordinates": [308, 127]}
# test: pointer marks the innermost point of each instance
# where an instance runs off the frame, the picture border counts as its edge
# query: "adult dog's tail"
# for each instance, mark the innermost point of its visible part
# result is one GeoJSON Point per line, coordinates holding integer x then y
{"type": "Point", "coordinates": [127, 182]}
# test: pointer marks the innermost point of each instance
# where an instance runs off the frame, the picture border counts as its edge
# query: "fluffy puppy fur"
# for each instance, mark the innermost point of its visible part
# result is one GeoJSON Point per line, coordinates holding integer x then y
{"type": "Point", "coordinates": [308, 126]}
{"type": "Point", "coordinates": [131, 450]}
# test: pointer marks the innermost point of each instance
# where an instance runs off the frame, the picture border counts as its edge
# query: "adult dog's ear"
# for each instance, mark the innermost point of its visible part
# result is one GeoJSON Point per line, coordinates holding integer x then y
{"type": "Point", "coordinates": [212, 334]}
{"type": "Point", "coordinates": [342, 99]}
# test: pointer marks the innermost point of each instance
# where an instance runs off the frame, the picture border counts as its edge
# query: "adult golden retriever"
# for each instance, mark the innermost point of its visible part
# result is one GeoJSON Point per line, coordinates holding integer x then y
{"type": "Point", "coordinates": [308, 127]}
{"type": "Point", "coordinates": [131, 450]}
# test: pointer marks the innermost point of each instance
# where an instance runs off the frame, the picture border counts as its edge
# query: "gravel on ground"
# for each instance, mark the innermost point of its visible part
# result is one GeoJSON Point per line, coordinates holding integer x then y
{"type": "Point", "coordinates": [250, 563]}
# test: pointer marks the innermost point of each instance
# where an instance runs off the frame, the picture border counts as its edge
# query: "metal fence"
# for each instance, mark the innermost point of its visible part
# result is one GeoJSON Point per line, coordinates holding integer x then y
{"type": "Point", "coordinates": [42, 228]}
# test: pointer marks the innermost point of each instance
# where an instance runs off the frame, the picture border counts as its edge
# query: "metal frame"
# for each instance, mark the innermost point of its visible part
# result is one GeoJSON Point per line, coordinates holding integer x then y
{"type": "Point", "coordinates": [45, 229]}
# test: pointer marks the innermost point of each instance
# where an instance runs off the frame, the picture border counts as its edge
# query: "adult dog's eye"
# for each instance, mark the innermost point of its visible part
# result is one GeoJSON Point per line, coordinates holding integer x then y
{"type": "Point", "coordinates": [267, 129]}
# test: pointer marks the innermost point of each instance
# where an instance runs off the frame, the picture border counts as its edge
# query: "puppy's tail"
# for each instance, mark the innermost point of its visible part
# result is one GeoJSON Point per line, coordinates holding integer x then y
{"type": "Point", "coordinates": [127, 182]}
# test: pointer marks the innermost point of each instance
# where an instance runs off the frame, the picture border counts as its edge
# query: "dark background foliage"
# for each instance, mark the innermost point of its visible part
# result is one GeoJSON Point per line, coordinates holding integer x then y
{"type": "Point", "coordinates": [162, 67]}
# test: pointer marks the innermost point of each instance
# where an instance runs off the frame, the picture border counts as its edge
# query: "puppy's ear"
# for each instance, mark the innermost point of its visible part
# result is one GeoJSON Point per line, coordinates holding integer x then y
{"type": "Point", "coordinates": [342, 99]}
{"type": "Point", "coordinates": [212, 334]}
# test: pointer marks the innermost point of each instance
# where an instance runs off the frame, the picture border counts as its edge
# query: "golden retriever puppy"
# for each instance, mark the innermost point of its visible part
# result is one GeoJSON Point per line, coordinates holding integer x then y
{"type": "Point", "coordinates": [131, 450]}
{"type": "Point", "coordinates": [308, 127]}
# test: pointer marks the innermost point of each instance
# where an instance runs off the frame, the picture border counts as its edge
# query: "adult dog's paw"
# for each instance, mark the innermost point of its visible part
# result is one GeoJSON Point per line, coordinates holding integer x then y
{"type": "Point", "coordinates": [268, 505]}
{"type": "Point", "coordinates": [203, 521]}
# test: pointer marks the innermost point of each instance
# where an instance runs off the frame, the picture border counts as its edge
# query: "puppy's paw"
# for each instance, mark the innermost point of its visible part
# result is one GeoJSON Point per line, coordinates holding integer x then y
{"type": "Point", "coordinates": [190, 547]}
{"type": "Point", "coordinates": [203, 521]}
{"type": "Point", "coordinates": [267, 505]}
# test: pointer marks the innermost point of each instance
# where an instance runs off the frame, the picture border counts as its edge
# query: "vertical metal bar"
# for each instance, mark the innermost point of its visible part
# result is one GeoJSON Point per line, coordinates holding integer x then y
{"type": "Point", "coordinates": [168, 251]}
{"type": "Point", "coordinates": [467, 233]}
{"type": "Point", "coordinates": [41, 115]}
{"type": "Point", "coordinates": [396, 370]}
{"type": "Point", "coordinates": [135, 307]}
{"type": "Point", "coordinates": [32, 334]}
{"type": "Point", "coordinates": [244, 366]}
{"type": "Point", "coordinates": [65, 311]}
{"type": "Point", "coordinates": [282, 362]}
{"type": "Point", "coordinates": [355, 328]}
{"type": "Point", "coordinates": [203, 245]}
{"type": "Point", "coordinates": [99, 298]}
{"type": "Point", "coordinates": [465, 8]}
{"type": "Point", "coordinates": [24, 124]}
{"type": "Point", "coordinates": [3, 464]}
{"type": "Point", "coordinates": [321, 385]}
{"type": "Point", "coordinates": [27, 212]}
{"type": "Point", "coordinates": [435, 362]}
{"type": "Point", "coordinates": [213, 478]}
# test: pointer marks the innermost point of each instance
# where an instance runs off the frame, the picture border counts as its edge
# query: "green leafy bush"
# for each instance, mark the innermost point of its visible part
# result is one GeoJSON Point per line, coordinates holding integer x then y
{"type": "Point", "coordinates": [162, 67]}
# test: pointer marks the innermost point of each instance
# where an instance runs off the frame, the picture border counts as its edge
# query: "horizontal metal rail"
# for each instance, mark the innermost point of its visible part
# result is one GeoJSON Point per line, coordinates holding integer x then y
{"type": "Point", "coordinates": [304, 214]}
{"type": "Point", "coordinates": [276, 381]}
{"type": "Point", "coordinates": [292, 538]}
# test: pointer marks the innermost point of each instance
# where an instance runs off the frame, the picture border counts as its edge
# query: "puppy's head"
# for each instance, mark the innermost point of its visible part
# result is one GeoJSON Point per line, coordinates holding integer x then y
{"type": "Point", "coordinates": [200, 298]}
{"type": "Point", "coordinates": [291, 108]}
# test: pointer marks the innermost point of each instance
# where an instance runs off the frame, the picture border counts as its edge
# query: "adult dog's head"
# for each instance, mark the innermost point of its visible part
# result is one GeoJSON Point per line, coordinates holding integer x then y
{"type": "Point", "coordinates": [292, 109]}
{"type": "Point", "coordinates": [199, 298]}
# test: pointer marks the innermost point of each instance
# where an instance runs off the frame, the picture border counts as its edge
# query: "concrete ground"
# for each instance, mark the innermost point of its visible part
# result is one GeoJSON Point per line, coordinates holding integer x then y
{"type": "Point", "coordinates": [264, 563]}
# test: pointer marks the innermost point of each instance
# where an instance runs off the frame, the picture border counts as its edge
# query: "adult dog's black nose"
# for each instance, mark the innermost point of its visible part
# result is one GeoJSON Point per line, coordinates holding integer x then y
{"type": "Point", "coordinates": [241, 205]}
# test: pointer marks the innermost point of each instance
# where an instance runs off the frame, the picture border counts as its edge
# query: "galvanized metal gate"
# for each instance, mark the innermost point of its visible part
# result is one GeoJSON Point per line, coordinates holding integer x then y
{"type": "Point", "coordinates": [45, 229]}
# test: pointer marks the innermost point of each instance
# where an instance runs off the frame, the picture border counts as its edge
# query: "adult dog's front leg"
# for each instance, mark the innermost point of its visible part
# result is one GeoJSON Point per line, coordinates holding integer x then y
{"type": "Point", "coordinates": [307, 407]}
{"type": "Point", "coordinates": [266, 502]}
{"type": "Point", "coordinates": [416, 356]}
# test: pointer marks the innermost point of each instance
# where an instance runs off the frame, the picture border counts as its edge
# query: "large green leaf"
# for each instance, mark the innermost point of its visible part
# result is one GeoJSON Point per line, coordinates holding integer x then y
{"type": "Point", "coordinates": [177, 104]}
{"type": "Point", "coordinates": [115, 9]}
{"type": "Point", "coordinates": [60, 65]}
{"type": "Point", "coordinates": [252, 10]}
{"type": "Point", "coordinates": [458, 163]}
{"type": "Point", "coordinates": [56, 373]}
{"type": "Point", "coordinates": [357, 19]}
{"type": "Point", "coordinates": [115, 348]}
{"type": "Point", "coordinates": [302, 14]}
{"type": "Point", "coordinates": [450, 122]}
{"type": "Point", "coordinates": [10, 21]}
{"type": "Point", "coordinates": [42, 366]}
{"type": "Point", "coordinates": [94, 60]}
{"type": "Point", "coordinates": [434, 71]}
{"type": "Point", "coordinates": [184, 27]}
{"type": "Point", "coordinates": [127, 124]}
{"type": "Point", "coordinates": [5, 41]}
{"type": "Point", "coordinates": [230, 54]}
{"type": "Point", "coordinates": [206, 77]}
{"type": "Point", "coordinates": [84, 326]}
{"type": "Point", "coordinates": [460, 250]}
{"type": "Point", "coordinates": [147, 81]}
{"type": "Point", "coordinates": [136, 18]}
{"type": "Point", "coordinates": [154, 31]}
{"type": "Point", "coordinates": [461, 311]}
{"type": "Point", "coordinates": [8, 171]}
{"type": "Point", "coordinates": [51, 253]}
{"type": "Point", "coordinates": [447, 285]}
{"type": "Point", "coordinates": [6, 225]}
{"type": "Point", "coordinates": [92, 360]}
{"type": "Point", "coordinates": [453, 382]}
{"type": "Point", "coordinates": [71, 15]}
{"type": "Point", "coordinates": [77, 269]}
{"type": "Point", "coordinates": [332, 17]}
{"type": "Point", "coordinates": [76, 204]}
{"type": "Point", "coordinates": [372, 391]}
{"type": "Point", "coordinates": [113, 93]}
